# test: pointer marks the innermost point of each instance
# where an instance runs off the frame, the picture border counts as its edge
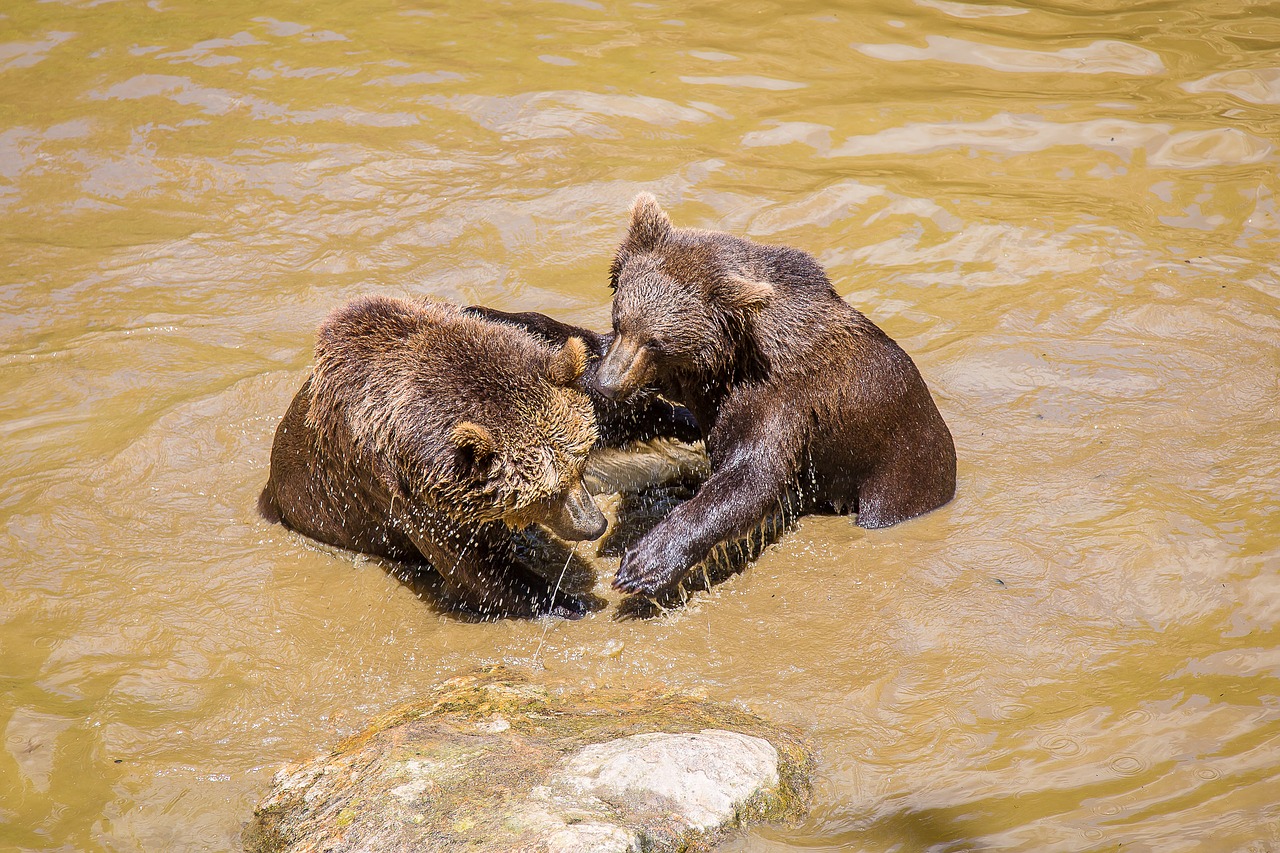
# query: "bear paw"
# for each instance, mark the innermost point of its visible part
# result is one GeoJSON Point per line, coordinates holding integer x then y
{"type": "Point", "coordinates": [653, 564]}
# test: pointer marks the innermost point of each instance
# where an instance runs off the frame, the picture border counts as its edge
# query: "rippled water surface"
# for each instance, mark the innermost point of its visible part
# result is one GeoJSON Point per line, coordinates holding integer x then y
{"type": "Point", "coordinates": [1066, 211]}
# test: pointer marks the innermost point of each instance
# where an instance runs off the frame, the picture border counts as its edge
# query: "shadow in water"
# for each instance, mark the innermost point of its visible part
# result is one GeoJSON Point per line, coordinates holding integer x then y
{"type": "Point", "coordinates": [913, 831]}
{"type": "Point", "coordinates": [563, 568]}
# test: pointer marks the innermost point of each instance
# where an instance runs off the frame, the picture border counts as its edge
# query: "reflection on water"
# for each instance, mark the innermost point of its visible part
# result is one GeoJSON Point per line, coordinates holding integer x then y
{"type": "Point", "coordinates": [1066, 212]}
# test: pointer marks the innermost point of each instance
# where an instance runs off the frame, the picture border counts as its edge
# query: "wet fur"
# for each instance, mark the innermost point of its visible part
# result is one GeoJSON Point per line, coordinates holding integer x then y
{"type": "Point", "coordinates": [426, 433]}
{"type": "Point", "coordinates": [804, 402]}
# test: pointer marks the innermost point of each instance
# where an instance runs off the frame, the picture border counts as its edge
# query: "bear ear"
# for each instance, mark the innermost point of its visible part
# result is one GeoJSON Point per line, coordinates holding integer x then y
{"type": "Point", "coordinates": [568, 365]}
{"type": "Point", "coordinates": [649, 224]}
{"type": "Point", "coordinates": [746, 293]}
{"type": "Point", "coordinates": [474, 443]}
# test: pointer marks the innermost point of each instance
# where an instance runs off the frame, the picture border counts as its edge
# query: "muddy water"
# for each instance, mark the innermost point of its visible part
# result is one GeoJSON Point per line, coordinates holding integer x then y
{"type": "Point", "coordinates": [1066, 211]}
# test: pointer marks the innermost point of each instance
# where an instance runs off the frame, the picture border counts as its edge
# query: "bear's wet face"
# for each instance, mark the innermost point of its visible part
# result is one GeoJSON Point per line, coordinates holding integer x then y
{"type": "Point", "coordinates": [707, 294]}
{"type": "Point", "coordinates": [530, 470]}
{"type": "Point", "coordinates": [647, 344]}
{"type": "Point", "coordinates": [547, 488]}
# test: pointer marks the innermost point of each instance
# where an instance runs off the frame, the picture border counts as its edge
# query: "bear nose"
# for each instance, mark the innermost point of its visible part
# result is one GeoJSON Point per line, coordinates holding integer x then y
{"type": "Point", "coordinates": [609, 389]}
{"type": "Point", "coordinates": [615, 368]}
{"type": "Point", "coordinates": [585, 520]}
{"type": "Point", "coordinates": [587, 517]}
{"type": "Point", "coordinates": [608, 379]}
{"type": "Point", "coordinates": [597, 528]}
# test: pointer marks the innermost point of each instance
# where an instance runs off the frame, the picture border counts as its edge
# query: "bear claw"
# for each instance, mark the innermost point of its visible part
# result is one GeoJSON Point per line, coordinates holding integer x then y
{"type": "Point", "coordinates": [645, 584]}
{"type": "Point", "coordinates": [652, 565]}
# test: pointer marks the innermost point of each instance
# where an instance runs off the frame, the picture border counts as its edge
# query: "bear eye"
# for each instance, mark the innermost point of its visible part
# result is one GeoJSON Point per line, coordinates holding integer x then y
{"type": "Point", "coordinates": [654, 344]}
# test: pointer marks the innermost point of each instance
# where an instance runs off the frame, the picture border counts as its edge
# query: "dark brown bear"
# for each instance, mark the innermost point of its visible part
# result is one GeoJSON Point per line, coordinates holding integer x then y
{"type": "Point", "coordinates": [426, 433]}
{"type": "Point", "coordinates": [804, 402]}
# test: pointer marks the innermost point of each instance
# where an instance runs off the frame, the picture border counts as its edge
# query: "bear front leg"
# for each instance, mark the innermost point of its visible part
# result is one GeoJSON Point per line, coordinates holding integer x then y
{"type": "Point", "coordinates": [735, 499]}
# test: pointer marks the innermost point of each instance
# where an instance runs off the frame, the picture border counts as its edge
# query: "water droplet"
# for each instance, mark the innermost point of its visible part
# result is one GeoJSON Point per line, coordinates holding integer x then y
{"type": "Point", "coordinates": [1060, 745]}
{"type": "Point", "coordinates": [1127, 765]}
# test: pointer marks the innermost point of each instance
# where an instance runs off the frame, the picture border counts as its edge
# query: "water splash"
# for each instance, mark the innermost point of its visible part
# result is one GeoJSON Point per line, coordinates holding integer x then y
{"type": "Point", "coordinates": [555, 592]}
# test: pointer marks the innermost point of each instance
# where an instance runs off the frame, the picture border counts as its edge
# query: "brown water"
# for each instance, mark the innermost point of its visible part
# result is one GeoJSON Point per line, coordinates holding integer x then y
{"type": "Point", "coordinates": [1065, 210]}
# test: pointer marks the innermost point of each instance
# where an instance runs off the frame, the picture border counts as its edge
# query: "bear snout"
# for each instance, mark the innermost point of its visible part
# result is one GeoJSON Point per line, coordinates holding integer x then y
{"type": "Point", "coordinates": [579, 518]}
{"type": "Point", "coordinates": [622, 369]}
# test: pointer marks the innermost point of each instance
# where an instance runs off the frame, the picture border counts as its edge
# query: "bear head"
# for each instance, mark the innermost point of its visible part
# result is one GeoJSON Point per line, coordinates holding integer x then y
{"type": "Point", "coordinates": [530, 459]}
{"type": "Point", "coordinates": [476, 420]}
{"type": "Point", "coordinates": [682, 301]}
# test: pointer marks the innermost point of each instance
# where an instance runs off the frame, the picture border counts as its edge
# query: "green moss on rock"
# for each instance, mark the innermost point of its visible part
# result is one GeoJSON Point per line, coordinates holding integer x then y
{"type": "Point", "coordinates": [477, 765]}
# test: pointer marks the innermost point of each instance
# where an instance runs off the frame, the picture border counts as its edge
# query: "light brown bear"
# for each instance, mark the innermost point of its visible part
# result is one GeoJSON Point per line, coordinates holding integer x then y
{"type": "Point", "coordinates": [805, 404]}
{"type": "Point", "coordinates": [427, 433]}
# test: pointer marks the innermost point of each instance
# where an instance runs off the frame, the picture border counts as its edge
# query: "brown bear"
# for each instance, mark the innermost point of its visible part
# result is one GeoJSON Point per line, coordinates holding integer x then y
{"type": "Point", "coordinates": [427, 432]}
{"type": "Point", "coordinates": [805, 404]}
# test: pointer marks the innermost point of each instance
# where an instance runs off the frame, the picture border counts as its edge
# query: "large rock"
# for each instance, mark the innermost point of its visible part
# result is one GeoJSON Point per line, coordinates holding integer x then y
{"type": "Point", "coordinates": [492, 762]}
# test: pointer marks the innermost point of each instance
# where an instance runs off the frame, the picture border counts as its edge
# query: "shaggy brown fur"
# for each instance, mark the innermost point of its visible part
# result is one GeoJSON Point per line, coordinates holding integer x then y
{"type": "Point", "coordinates": [425, 434]}
{"type": "Point", "coordinates": [621, 424]}
{"type": "Point", "coordinates": [804, 402]}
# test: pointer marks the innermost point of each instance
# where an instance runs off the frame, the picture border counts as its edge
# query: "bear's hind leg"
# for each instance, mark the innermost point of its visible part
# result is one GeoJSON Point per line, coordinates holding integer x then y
{"type": "Point", "coordinates": [894, 494]}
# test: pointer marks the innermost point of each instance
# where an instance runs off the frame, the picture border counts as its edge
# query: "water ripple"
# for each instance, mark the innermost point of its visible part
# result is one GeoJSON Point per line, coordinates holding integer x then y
{"type": "Point", "coordinates": [1255, 85]}
{"type": "Point", "coordinates": [1099, 57]}
{"type": "Point", "coordinates": [1128, 765]}
{"type": "Point", "coordinates": [1060, 745]}
{"type": "Point", "coordinates": [1020, 134]}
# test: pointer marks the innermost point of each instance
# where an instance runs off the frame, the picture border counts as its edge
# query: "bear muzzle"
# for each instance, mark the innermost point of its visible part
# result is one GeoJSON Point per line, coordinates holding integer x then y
{"type": "Point", "coordinates": [623, 369]}
{"type": "Point", "coordinates": [577, 517]}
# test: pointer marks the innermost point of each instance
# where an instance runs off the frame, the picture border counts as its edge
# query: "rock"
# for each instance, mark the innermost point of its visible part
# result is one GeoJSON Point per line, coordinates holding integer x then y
{"type": "Point", "coordinates": [700, 777]}
{"type": "Point", "coordinates": [492, 762]}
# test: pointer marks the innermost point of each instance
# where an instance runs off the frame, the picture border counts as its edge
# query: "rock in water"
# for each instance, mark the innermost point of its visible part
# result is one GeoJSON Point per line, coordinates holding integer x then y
{"type": "Point", "coordinates": [492, 762]}
{"type": "Point", "coordinates": [703, 777]}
